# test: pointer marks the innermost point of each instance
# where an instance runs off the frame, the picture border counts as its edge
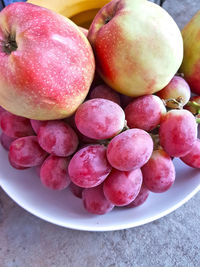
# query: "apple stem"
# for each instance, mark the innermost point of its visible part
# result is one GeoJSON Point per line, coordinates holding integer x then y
{"type": "Point", "coordinates": [10, 44]}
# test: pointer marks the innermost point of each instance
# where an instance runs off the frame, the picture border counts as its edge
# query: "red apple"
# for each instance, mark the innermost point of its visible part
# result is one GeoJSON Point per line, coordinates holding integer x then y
{"type": "Point", "coordinates": [46, 63]}
{"type": "Point", "coordinates": [137, 45]}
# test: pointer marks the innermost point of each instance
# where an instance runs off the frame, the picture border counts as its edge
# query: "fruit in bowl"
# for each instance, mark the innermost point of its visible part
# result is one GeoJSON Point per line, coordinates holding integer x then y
{"type": "Point", "coordinates": [46, 63]}
{"type": "Point", "coordinates": [102, 160]}
{"type": "Point", "coordinates": [137, 45]}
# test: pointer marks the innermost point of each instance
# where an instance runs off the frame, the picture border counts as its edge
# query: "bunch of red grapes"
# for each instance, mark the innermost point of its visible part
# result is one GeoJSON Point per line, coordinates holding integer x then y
{"type": "Point", "coordinates": [114, 150]}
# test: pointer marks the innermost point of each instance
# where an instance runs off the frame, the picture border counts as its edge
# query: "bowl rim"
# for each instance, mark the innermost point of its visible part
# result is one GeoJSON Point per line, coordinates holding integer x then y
{"type": "Point", "coordinates": [100, 228]}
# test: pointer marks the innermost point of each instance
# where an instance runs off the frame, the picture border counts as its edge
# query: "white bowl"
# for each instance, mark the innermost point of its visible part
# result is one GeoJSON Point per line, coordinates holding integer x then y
{"type": "Point", "coordinates": [64, 209]}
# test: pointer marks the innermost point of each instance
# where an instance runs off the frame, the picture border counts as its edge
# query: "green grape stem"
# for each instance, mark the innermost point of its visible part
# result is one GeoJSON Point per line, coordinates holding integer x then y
{"type": "Point", "coordinates": [194, 105]}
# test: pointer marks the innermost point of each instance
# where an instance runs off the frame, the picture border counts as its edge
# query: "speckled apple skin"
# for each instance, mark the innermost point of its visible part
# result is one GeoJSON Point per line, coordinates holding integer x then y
{"type": "Point", "coordinates": [50, 73]}
{"type": "Point", "coordinates": [139, 50]}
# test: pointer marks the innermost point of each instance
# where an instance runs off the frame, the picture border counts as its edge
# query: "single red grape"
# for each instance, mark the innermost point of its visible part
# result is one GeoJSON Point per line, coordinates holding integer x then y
{"type": "Point", "coordinates": [178, 132]}
{"type": "Point", "coordinates": [15, 126]}
{"type": "Point", "coordinates": [58, 138]}
{"type": "Point", "coordinates": [145, 112]}
{"type": "Point", "coordinates": [26, 152]}
{"type": "Point", "coordinates": [89, 166]}
{"type": "Point", "coordinates": [6, 140]}
{"type": "Point", "coordinates": [54, 173]}
{"type": "Point", "coordinates": [177, 88]}
{"type": "Point", "coordinates": [121, 187]}
{"type": "Point", "coordinates": [105, 92]}
{"type": "Point", "coordinates": [99, 118]}
{"type": "Point", "coordinates": [36, 125]}
{"type": "Point", "coordinates": [159, 172]}
{"type": "Point", "coordinates": [130, 149]}
{"type": "Point", "coordinates": [95, 202]}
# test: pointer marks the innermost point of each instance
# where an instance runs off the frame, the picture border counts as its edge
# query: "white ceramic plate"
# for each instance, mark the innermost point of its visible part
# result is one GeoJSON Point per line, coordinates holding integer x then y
{"type": "Point", "coordinates": [63, 209]}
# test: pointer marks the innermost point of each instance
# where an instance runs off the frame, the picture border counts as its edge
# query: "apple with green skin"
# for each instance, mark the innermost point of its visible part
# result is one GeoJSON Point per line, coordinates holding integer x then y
{"type": "Point", "coordinates": [191, 60]}
{"type": "Point", "coordinates": [137, 45]}
{"type": "Point", "coordinates": [46, 63]}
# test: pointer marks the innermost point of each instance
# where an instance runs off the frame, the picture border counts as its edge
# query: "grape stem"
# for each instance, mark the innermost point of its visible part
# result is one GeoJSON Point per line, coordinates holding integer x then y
{"type": "Point", "coordinates": [105, 142]}
{"type": "Point", "coordinates": [156, 141]}
{"type": "Point", "coordinates": [125, 127]}
{"type": "Point", "coordinates": [197, 120]}
{"type": "Point", "coordinates": [194, 105]}
{"type": "Point", "coordinates": [173, 103]}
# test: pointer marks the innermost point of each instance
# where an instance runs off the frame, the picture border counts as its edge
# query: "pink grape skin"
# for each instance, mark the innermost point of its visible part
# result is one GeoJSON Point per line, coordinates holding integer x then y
{"type": "Point", "coordinates": [15, 126]}
{"type": "Point", "coordinates": [192, 159]}
{"type": "Point", "coordinates": [159, 172]}
{"type": "Point", "coordinates": [89, 166]}
{"type": "Point", "coordinates": [6, 140]}
{"type": "Point", "coordinates": [54, 173]}
{"type": "Point", "coordinates": [105, 92]}
{"type": "Point", "coordinates": [130, 150]}
{"type": "Point", "coordinates": [145, 112]}
{"type": "Point", "coordinates": [141, 197]}
{"type": "Point", "coordinates": [95, 202]}
{"type": "Point", "coordinates": [99, 118]}
{"type": "Point", "coordinates": [82, 138]}
{"type": "Point", "coordinates": [178, 132]}
{"type": "Point", "coordinates": [177, 87]}
{"type": "Point", "coordinates": [26, 152]}
{"type": "Point", "coordinates": [2, 110]}
{"type": "Point", "coordinates": [76, 190]}
{"type": "Point", "coordinates": [58, 138]}
{"type": "Point", "coordinates": [15, 166]}
{"type": "Point", "coordinates": [37, 124]}
{"type": "Point", "coordinates": [121, 188]}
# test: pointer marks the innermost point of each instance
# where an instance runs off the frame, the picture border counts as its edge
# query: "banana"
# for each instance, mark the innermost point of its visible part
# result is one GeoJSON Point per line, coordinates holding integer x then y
{"type": "Point", "coordinates": [70, 8]}
{"type": "Point", "coordinates": [85, 18]}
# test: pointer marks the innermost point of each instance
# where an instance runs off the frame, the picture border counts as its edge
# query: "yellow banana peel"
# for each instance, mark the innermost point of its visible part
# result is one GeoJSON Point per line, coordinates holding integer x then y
{"type": "Point", "coordinates": [85, 18]}
{"type": "Point", "coordinates": [70, 8]}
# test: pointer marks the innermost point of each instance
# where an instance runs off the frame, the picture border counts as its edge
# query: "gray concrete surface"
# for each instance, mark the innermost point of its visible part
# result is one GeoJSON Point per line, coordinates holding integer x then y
{"type": "Point", "coordinates": [26, 241]}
